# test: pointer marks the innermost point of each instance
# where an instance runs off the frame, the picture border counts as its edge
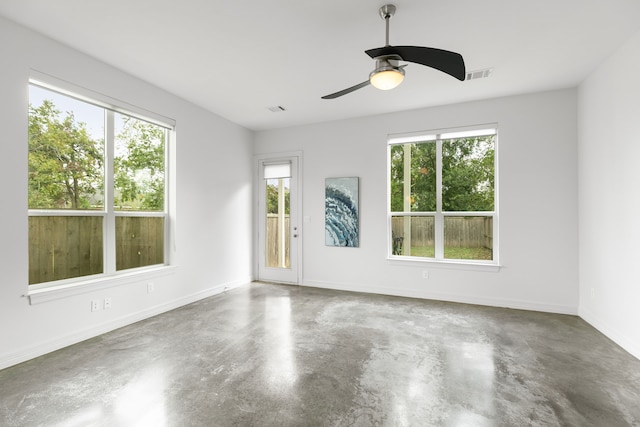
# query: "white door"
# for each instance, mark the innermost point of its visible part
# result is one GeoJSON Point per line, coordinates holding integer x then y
{"type": "Point", "coordinates": [278, 228]}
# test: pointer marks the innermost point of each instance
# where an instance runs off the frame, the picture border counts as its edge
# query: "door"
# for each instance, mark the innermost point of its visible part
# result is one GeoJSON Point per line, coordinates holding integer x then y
{"type": "Point", "coordinates": [278, 230]}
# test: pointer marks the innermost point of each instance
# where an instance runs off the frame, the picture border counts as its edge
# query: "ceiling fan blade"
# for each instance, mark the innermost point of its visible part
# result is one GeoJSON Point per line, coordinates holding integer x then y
{"type": "Point", "coordinates": [448, 62]}
{"type": "Point", "coordinates": [346, 91]}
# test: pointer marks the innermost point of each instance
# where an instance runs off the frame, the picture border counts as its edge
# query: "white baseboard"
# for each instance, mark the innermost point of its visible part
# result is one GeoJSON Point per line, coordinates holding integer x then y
{"type": "Point", "coordinates": [630, 344]}
{"type": "Point", "coordinates": [424, 294]}
{"type": "Point", "coordinates": [43, 348]}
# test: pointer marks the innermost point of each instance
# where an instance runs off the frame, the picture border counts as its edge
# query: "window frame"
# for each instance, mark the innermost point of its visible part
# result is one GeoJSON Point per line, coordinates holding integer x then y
{"type": "Point", "coordinates": [45, 291]}
{"type": "Point", "coordinates": [437, 136]}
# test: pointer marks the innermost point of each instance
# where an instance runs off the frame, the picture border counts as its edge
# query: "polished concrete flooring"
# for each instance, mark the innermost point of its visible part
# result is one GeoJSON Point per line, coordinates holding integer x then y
{"type": "Point", "coordinates": [273, 355]}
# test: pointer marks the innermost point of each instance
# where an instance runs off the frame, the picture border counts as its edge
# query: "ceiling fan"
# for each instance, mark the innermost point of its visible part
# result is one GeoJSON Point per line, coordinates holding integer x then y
{"type": "Point", "coordinates": [389, 73]}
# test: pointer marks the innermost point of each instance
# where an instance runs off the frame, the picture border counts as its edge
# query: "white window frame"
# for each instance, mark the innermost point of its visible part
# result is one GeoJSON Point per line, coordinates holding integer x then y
{"type": "Point", "coordinates": [53, 290]}
{"type": "Point", "coordinates": [437, 136]}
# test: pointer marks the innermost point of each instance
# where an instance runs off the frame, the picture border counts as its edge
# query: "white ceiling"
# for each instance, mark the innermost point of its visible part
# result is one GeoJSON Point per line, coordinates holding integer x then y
{"type": "Point", "coordinates": [237, 58]}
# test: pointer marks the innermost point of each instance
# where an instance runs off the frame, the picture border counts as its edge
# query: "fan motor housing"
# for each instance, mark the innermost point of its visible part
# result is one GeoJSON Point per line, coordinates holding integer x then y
{"type": "Point", "coordinates": [387, 63]}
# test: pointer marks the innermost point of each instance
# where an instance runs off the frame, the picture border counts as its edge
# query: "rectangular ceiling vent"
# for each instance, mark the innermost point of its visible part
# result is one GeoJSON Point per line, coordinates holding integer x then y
{"type": "Point", "coordinates": [479, 74]}
{"type": "Point", "coordinates": [276, 109]}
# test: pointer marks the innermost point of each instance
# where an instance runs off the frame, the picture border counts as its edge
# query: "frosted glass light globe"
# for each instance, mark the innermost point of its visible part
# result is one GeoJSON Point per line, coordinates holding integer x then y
{"type": "Point", "coordinates": [386, 79]}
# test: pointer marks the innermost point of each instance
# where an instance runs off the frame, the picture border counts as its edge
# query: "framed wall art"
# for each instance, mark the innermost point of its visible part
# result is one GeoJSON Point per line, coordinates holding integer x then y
{"type": "Point", "coordinates": [341, 212]}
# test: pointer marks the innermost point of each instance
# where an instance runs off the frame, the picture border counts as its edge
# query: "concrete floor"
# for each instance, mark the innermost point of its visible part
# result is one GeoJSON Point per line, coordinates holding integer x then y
{"type": "Point", "coordinates": [273, 355]}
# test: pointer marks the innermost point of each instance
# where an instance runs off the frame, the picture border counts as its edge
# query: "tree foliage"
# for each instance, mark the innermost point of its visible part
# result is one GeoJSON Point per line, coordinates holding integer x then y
{"type": "Point", "coordinates": [422, 175]}
{"type": "Point", "coordinates": [272, 197]}
{"type": "Point", "coordinates": [468, 176]}
{"type": "Point", "coordinates": [65, 163]}
{"type": "Point", "coordinates": [139, 166]}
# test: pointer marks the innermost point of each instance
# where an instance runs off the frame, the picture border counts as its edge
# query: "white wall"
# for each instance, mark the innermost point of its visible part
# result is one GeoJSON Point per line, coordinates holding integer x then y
{"type": "Point", "coordinates": [609, 196]}
{"type": "Point", "coordinates": [213, 234]}
{"type": "Point", "coordinates": [549, 142]}
{"type": "Point", "coordinates": [537, 196]}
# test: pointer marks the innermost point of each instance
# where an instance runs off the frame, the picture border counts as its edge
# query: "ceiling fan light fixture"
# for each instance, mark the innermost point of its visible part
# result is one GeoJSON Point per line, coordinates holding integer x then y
{"type": "Point", "coordinates": [386, 78]}
{"type": "Point", "coordinates": [388, 73]}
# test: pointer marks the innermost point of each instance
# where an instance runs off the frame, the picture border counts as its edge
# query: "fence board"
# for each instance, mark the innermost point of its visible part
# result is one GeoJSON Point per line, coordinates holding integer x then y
{"type": "Point", "coordinates": [464, 232]}
{"type": "Point", "coordinates": [62, 247]}
{"type": "Point", "coordinates": [272, 250]}
{"type": "Point", "coordinates": [139, 241]}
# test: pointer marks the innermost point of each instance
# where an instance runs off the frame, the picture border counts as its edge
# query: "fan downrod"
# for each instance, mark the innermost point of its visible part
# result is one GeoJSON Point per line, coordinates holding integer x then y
{"type": "Point", "coordinates": [386, 12]}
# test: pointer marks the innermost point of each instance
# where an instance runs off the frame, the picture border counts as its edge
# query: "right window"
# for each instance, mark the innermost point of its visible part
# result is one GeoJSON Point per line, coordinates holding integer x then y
{"type": "Point", "coordinates": [442, 195]}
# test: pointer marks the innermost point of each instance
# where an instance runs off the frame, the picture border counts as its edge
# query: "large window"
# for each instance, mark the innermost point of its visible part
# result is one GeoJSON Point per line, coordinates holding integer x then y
{"type": "Point", "coordinates": [97, 189]}
{"type": "Point", "coordinates": [442, 195]}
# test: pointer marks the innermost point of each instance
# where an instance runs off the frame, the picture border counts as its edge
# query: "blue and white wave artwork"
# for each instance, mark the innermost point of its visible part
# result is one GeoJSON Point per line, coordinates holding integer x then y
{"type": "Point", "coordinates": [341, 212]}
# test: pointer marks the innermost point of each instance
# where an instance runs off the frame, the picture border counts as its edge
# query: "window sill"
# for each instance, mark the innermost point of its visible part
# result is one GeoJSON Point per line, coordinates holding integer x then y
{"type": "Point", "coordinates": [52, 293]}
{"type": "Point", "coordinates": [445, 264]}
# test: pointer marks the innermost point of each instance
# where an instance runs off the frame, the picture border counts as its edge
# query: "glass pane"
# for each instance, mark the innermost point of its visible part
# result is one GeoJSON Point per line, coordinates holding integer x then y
{"type": "Point", "coordinates": [66, 152]}
{"type": "Point", "coordinates": [277, 223]}
{"type": "Point", "coordinates": [63, 247]}
{"type": "Point", "coordinates": [413, 177]}
{"type": "Point", "coordinates": [139, 241]}
{"type": "Point", "coordinates": [468, 174]}
{"type": "Point", "coordinates": [468, 237]}
{"type": "Point", "coordinates": [138, 165]}
{"type": "Point", "coordinates": [413, 236]}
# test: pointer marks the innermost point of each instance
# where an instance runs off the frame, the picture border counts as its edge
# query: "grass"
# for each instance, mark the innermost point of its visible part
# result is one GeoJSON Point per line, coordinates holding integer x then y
{"type": "Point", "coordinates": [454, 253]}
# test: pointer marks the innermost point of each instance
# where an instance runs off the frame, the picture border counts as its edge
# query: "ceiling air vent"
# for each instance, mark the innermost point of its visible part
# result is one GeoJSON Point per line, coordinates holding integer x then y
{"type": "Point", "coordinates": [479, 74]}
{"type": "Point", "coordinates": [276, 109]}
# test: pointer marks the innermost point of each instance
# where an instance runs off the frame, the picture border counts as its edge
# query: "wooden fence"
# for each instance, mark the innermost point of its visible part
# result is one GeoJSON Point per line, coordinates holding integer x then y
{"type": "Point", "coordinates": [460, 232]}
{"type": "Point", "coordinates": [273, 250]}
{"type": "Point", "coordinates": [139, 241]}
{"type": "Point", "coordinates": [62, 247]}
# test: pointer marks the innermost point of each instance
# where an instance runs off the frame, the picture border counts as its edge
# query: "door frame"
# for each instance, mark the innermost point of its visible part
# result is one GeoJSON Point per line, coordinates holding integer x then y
{"type": "Point", "coordinates": [258, 161]}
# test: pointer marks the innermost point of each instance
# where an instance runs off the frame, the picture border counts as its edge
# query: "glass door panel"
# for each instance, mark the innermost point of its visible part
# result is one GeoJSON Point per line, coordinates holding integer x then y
{"type": "Point", "coordinates": [278, 210]}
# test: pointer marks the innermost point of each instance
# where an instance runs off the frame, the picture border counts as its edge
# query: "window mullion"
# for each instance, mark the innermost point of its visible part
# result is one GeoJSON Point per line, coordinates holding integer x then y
{"type": "Point", "coordinates": [407, 197]}
{"type": "Point", "coordinates": [439, 218]}
{"type": "Point", "coordinates": [110, 220]}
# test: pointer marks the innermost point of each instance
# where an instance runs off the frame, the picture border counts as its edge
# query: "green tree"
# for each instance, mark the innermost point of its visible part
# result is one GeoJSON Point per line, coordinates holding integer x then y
{"type": "Point", "coordinates": [272, 197]}
{"type": "Point", "coordinates": [467, 175]}
{"type": "Point", "coordinates": [422, 175]}
{"type": "Point", "coordinates": [139, 165]}
{"type": "Point", "coordinates": [65, 163]}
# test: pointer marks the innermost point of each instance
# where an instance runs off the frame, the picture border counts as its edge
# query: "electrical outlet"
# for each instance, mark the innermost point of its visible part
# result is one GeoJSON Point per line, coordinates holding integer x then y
{"type": "Point", "coordinates": [107, 303]}
{"type": "Point", "coordinates": [425, 274]}
{"type": "Point", "coordinates": [95, 305]}
{"type": "Point", "coordinates": [150, 287]}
